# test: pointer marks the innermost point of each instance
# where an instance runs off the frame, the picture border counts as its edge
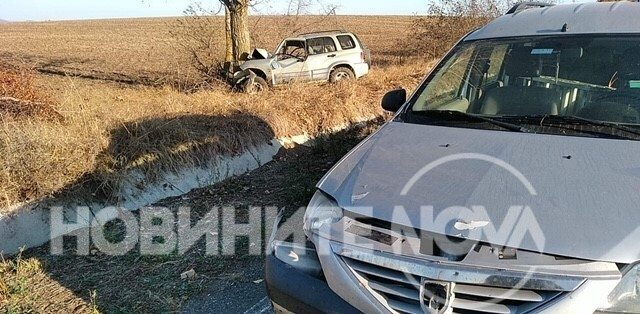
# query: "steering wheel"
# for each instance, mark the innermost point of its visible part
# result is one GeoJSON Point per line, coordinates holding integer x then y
{"type": "Point", "coordinates": [291, 55]}
{"type": "Point", "coordinates": [613, 106]}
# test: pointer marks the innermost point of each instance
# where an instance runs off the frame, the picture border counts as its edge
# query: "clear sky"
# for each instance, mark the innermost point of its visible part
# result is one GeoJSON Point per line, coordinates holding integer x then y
{"type": "Point", "coordinates": [42, 10]}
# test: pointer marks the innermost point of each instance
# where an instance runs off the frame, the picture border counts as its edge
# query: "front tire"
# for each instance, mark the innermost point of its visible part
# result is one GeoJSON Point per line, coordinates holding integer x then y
{"type": "Point", "coordinates": [259, 85]}
{"type": "Point", "coordinates": [341, 74]}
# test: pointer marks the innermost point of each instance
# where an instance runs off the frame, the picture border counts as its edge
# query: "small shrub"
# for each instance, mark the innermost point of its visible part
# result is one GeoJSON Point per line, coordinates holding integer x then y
{"type": "Point", "coordinates": [199, 36]}
{"type": "Point", "coordinates": [20, 97]}
{"type": "Point", "coordinates": [448, 21]}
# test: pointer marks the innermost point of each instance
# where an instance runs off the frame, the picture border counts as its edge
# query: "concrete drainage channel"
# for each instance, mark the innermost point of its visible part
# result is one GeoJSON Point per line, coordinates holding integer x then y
{"type": "Point", "coordinates": [28, 225]}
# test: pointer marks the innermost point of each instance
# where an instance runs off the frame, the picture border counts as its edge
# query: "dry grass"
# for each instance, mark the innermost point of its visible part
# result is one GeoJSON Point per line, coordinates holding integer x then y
{"type": "Point", "coordinates": [110, 129]}
{"type": "Point", "coordinates": [25, 287]}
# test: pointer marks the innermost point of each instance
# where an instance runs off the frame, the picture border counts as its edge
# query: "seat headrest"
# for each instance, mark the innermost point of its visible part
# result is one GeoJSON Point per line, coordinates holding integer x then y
{"type": "Point", "coordinates": [521, 100]}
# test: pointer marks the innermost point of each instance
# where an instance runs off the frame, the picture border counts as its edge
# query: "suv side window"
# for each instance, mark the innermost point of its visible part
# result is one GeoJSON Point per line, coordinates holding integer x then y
{"type": "Point", "coordinates": [346, 42]}
{"type": "Point", "coordinates": [291, 48]}
{"type": "Point", "coordinates": [321, 45]}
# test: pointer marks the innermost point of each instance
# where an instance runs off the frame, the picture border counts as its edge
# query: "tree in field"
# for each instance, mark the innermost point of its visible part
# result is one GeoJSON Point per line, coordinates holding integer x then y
{"type": "Point", "coordinates": [238, 36]}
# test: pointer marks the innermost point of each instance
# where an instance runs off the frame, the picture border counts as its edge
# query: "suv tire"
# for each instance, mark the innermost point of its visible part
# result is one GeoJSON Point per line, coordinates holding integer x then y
{"type": "Point", "coordinates": [341, 74]}
{"type": "Point", "coordinates": [259, 85]}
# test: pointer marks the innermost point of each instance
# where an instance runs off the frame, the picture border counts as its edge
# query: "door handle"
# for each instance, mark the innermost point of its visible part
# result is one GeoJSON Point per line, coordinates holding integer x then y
{"type": "Point", "coordinates": [331, 55]}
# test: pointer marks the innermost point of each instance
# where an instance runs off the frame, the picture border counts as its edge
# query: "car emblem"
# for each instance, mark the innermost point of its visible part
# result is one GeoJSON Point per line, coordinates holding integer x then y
{"type": "Point", "coordinates": [463, 225]}
{"type": "Point", "coordinates": [436, 297]}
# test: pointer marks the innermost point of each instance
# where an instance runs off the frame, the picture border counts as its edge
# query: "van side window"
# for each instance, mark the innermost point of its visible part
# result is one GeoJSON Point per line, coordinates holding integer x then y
{"type": "Point", "coordinates": [448, 86]}
{"type": "Point", "coordinates": [346, 42]}
{"type": "Point", "coordinates": [495, 63]}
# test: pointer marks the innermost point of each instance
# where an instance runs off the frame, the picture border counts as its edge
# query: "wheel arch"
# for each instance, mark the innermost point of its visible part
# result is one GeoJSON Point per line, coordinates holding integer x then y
{"type": "Point", "coordinates": [262, 74]}
{"type": "Point", "coordinates": [342, 65]}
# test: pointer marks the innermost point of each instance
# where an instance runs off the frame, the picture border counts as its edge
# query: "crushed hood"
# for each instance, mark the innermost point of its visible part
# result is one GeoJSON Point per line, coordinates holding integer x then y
{"type": "Point", "coordinates": [582, 193]}
{"type": "Point", "coordinates": [259, 53]}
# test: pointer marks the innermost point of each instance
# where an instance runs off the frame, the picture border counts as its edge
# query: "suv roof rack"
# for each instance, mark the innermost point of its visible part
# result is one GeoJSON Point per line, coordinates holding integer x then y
{"type": "Point", "coordinates": [338, 31]}
{"type": "Point", "coordinates": [528, 4]}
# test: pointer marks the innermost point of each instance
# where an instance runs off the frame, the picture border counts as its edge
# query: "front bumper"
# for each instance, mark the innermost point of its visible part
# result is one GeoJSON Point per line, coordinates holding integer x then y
{"type": "Point", "coordinates": [300, 289]}
{"type": "Point", "coordinates": [241, 78]}
{"type": "Point", "coordinates": [332, 276]}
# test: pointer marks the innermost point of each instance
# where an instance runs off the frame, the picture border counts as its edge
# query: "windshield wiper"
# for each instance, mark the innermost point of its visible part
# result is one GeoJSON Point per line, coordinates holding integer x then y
{"type": "Point", "coordinates": [464, 116]}
{"type": "Point", "coordinates": [581, 120]}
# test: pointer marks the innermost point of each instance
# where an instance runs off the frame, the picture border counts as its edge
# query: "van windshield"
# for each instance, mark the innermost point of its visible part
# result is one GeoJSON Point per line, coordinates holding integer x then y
{"type": "Point", "coordinates": [595, 79]}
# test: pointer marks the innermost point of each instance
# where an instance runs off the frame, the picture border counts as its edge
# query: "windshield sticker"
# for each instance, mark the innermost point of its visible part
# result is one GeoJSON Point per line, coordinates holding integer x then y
{"type": "Point", "coordinates": [542, 51]}
{"type": "Point", "coordinates": [634, 84]}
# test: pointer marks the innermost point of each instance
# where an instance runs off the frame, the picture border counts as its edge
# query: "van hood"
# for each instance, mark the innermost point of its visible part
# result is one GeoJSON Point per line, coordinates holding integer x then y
{"type": "Point", "coordinates": [577, 197]}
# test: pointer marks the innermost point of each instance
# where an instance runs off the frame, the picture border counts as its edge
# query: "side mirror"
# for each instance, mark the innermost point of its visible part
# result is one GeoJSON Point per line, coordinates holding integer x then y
{"type": "Point", "coordinates": [393, 100]}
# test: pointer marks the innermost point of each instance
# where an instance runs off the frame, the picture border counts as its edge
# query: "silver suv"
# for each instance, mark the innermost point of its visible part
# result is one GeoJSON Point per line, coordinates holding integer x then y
{"type": "Point", "coordinates": [507, 183]}
{"type": "Point", "coordinates": [319, 56]}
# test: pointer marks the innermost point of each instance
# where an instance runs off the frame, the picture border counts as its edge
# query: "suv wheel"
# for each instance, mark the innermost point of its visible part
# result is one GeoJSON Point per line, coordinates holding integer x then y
{"type": "Point", "coordinates": [259, 85]}
{"type": "Point", "coordinates": [341, 74]}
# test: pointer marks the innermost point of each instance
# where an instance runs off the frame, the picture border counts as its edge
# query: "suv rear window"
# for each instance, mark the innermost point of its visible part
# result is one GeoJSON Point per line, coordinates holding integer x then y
{"type": "Point", "coordinates": [321, 45]}
{"type": "Point", "coordinates": [346, 42]}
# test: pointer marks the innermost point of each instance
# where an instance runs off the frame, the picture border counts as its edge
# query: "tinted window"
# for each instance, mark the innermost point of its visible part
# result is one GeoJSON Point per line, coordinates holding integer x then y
{"type": "Point", "coordinates": [346, 42]}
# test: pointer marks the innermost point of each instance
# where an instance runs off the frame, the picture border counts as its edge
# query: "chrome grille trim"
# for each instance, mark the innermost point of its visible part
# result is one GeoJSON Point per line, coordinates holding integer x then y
{"type": "Point", "coordinates": [460, 273]}
{"type": "Point", "coordinates": [396, 280]}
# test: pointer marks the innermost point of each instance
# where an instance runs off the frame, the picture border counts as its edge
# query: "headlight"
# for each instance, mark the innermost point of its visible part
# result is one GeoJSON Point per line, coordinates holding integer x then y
{"type": "Point", "coordinates": [625, 298]}
{"type": "Point", "coordinates": [321, 211]}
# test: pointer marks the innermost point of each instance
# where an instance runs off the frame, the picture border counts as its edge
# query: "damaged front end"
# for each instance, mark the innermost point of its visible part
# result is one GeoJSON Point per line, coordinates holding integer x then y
{"type": "Point", "coordinates": [245, 77]}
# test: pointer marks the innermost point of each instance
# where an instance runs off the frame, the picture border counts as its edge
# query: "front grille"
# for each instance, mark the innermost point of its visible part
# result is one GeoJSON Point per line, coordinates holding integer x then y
{"type": "Point", "coordinates": [400, 292]}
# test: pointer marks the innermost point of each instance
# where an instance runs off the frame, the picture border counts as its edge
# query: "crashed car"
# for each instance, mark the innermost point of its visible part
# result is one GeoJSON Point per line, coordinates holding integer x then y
{"type": "Point", "coordinates": [319, 56]}
{"type": "Point", "coordinates": [507, 183]}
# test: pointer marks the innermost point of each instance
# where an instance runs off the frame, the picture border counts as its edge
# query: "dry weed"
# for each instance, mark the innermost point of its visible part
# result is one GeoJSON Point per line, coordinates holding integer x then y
{"type": "Point", "coordinates": [26, 288]}
{"type": "Point", "coordinates": [20, 97]}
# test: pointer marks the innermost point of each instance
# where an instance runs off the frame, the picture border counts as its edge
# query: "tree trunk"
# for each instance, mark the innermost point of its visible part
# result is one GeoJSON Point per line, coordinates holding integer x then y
{"type": "Point", "coordinates": [229, 40]}
{"type": "Point", "coordinates": [240, 29]}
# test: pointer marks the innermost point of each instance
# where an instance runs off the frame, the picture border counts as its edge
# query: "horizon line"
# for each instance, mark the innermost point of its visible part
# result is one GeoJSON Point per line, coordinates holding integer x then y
{"type": "Point", "coordinates": [182, 16]}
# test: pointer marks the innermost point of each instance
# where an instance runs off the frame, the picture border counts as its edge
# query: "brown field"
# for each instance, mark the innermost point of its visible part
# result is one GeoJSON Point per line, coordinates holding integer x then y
{"type": "Point", "coordinates": [134, 47]}
{"type": "Point", "coordinates": [110, 128]}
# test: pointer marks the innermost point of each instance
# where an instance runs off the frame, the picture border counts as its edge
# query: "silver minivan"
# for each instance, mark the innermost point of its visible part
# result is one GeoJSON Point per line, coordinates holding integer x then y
{"type": "Point", "coordinates": [509, 182]}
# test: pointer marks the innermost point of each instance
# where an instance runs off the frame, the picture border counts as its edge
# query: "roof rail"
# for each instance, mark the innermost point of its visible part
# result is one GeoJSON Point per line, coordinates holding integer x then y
{"type": "Point", "coordinates": [325, 32]}
{"type": "Point", "coordinates": [528, 4]}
